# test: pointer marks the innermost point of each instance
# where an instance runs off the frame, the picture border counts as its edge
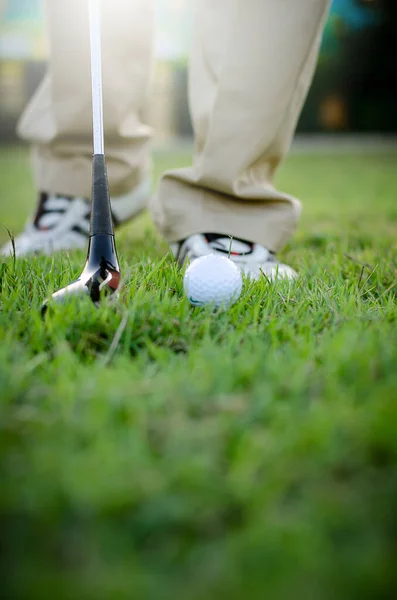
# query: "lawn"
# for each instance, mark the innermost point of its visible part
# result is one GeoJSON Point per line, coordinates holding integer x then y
{"type": "Point", "coordinates": [152, 451]}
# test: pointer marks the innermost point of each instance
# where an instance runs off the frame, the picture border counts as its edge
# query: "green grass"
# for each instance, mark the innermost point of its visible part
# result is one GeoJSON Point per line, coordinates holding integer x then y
{"type": "Point", "coordinates": [153, 451]}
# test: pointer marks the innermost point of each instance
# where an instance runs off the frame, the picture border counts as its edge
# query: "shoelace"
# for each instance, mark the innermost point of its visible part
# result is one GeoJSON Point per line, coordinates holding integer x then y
{"type": "Point", "coordinates": [232, 246]}
{"type": "Point", "coordinates": [50, 210]}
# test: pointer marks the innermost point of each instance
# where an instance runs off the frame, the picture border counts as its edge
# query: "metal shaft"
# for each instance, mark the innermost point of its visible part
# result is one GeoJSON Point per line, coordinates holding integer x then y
{"type": "Point", "coordinates": [96, 68]}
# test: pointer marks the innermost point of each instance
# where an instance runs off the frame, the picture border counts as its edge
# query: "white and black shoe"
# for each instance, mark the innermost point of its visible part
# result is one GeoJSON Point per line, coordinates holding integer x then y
{"type": "Point", "coordinates": [63, 223]}
{"type": "Point", "coordinates": [254, 260]}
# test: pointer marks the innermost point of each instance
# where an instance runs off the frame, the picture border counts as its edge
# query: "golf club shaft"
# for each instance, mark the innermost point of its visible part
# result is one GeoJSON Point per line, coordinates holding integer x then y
{"type": "Point", "coordinates": [96, 74]}
{"type": "Point", "coordinates": [101, 273]}
{"type": "Point", "coordinates": [101, 215]}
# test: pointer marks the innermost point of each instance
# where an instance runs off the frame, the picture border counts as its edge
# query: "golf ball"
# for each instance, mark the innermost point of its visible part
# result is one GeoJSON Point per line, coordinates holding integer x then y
{"type": "Point", "coordinates": [213, 280]}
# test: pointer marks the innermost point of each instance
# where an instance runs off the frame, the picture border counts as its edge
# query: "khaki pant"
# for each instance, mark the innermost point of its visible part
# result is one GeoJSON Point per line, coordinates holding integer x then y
{"type": "Point", "coordinates": [252, 62]}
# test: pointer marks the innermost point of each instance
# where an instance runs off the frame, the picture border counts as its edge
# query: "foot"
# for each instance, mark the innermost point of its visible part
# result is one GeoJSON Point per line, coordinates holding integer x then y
{"type": "Point", "coordinates": [63, 223]}
{"type": "Point", "coordinates": [254, 260]}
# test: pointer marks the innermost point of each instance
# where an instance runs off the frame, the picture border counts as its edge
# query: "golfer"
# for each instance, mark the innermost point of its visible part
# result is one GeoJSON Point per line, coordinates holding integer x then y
{"type": "Point", "coordinates": [251, 65]}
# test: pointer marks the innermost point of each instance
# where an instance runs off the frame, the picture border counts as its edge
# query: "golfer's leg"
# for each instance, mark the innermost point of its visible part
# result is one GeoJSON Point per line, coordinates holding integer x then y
{"type": "Point", "coordinates": [251, 66]}
{"type": "Point", "coordinates": [58, 120]}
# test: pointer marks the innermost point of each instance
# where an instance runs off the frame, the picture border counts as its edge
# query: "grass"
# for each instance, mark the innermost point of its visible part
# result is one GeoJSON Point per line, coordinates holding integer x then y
{"type": "Point", "coordinates": [246, 454]}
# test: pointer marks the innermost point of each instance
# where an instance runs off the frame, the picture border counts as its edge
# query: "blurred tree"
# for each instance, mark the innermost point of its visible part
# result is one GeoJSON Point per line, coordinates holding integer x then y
{"type": "Point", "coordinates": [16, 10]}
{"type": "Point", "coordinates": [354, 87]}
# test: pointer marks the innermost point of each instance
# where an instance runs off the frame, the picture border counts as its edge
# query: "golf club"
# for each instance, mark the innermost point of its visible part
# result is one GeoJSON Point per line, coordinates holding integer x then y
{"type": "Point", "coordinates": [101, 274]}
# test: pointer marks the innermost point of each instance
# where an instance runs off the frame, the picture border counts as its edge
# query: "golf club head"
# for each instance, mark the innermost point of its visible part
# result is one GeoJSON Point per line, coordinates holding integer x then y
{"type": "Point", "coordinates": [100, 276]}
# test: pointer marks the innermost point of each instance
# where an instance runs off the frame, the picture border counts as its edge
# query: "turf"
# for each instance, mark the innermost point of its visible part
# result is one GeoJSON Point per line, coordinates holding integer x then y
{"type": "Point", "coordinates": [150, 450]}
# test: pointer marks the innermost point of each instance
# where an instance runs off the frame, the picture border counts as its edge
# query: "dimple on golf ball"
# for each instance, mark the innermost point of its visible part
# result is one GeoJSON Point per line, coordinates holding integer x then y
{"type": "Point", "coordinates": [213, 280]}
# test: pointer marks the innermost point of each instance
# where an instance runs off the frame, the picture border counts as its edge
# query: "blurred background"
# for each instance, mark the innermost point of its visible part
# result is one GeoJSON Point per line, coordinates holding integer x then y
{"type": "Point", "coordinates": [354, 89]}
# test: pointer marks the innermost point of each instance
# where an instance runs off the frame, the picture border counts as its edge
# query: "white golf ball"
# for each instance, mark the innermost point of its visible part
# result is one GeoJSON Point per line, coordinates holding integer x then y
{"type": "Point", "coordinates": [213, 280]}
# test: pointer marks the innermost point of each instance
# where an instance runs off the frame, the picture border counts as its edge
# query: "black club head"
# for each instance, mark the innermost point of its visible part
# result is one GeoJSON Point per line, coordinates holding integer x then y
{"type": "Point", "coordinates": [100, 277]}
